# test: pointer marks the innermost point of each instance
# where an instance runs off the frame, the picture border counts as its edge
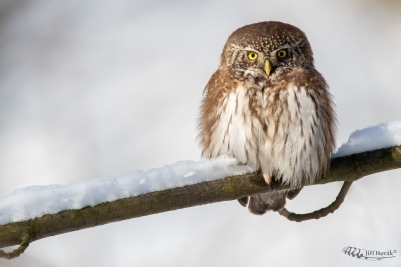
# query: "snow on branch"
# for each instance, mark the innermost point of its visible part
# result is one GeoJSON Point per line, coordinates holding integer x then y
{"type": "Point", "coordinates": [37, 212]}
{"type": "Point", "coordinates": [35, 201]}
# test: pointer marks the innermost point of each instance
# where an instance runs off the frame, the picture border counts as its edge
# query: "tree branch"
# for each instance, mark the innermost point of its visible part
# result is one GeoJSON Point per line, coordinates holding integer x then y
{"type": "Point", "coordinates": [26, 239]}
{"type": "Point", "coordinates": [319, 213]}
{"type": "Point", "coordinates": [349, 168]}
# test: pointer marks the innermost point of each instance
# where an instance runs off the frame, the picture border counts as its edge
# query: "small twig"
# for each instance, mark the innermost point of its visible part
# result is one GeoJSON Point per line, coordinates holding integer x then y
{"type": "Point", "coordinates": [18, 251]}
{"type": "Point", "coordinates": [319, 213]}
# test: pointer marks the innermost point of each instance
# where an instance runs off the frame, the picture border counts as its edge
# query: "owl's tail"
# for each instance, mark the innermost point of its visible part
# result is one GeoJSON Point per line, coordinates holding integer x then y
{"type": "Point", "coordinates": [275, 200]}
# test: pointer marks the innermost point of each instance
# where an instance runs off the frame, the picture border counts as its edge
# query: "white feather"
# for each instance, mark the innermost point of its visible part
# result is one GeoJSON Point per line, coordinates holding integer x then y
{"type": "Point", "coordinates": [281, 148]}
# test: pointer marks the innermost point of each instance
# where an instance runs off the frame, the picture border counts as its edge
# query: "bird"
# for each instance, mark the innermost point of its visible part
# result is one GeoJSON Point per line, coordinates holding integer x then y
{"type": "Point", "coordinates": [268, 107]}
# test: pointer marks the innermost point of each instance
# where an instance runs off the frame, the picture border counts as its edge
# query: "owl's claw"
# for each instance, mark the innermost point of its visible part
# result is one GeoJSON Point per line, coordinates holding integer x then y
{"type": "Point", "coordinates": [267, 177]}
{"type": "Point", "coordinates": [276, 184]}
{"type": "Point", "coordinates": [273, 182]}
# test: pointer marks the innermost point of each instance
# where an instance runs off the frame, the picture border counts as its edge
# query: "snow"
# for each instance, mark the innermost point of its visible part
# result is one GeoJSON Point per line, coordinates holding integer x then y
{"type": "Point", "coordinates": [379, 136]}
{"type": "Point", "coordinates": [36, 201]}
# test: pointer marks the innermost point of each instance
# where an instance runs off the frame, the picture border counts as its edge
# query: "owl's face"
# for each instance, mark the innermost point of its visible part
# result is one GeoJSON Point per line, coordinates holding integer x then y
{"type": "Point", "coordinates": [266, 51]}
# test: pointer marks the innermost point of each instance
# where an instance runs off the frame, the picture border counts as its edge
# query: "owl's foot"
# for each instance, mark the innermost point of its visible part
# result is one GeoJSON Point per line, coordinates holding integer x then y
{"type": "Point", "coordinates": [274, 182]}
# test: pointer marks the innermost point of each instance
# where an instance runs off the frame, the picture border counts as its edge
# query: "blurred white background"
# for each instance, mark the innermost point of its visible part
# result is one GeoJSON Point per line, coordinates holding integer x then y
{"type": "Point", "coordinates": [92, 89]}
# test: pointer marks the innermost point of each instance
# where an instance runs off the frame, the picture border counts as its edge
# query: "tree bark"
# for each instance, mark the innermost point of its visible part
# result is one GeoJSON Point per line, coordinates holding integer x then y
{"type": "Point", "coordinates": [348, 168]}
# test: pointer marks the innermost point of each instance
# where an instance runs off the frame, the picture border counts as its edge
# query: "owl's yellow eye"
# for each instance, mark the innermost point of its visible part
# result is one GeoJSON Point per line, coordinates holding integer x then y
{"type": "Point", "coordinates": [252, 55]}
{"type": "Point", "coordinates": [282, 54]}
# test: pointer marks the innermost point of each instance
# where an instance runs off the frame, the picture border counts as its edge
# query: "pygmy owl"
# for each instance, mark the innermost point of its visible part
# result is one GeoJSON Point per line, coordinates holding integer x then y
{"type": "Point", "coordinates": [269, 107]}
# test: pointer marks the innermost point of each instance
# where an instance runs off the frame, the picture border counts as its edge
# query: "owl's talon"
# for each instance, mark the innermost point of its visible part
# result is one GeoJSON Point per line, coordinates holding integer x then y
{"type": "Point", "coordinates": [267, 178]}
{"type": "Point", "coordinates": [276, 183]}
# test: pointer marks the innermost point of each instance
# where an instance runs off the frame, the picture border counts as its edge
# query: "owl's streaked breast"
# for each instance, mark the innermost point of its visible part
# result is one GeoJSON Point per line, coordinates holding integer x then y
{"type": "Point", "coordinates": [279, 131]}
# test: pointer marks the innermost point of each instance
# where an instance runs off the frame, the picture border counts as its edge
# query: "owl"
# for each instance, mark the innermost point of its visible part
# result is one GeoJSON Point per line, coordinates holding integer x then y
{"type": "Point", "coordinates": [269, 107]}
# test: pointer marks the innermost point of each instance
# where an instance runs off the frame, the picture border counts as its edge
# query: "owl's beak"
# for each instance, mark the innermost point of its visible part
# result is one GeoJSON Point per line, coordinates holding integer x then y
{"type": "Point", "coordinates": [268, 67]}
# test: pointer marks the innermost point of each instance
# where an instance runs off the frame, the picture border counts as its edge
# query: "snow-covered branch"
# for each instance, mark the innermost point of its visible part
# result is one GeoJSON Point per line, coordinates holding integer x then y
{"type": "Point", "coordinates": [37, 212]}
{"type": "Point", "coordinates": [347, 168]}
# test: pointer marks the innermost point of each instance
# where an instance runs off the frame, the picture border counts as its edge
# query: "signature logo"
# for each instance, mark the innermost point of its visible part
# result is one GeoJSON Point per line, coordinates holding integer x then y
{"type": "Point", "coordinates": [371, 255]}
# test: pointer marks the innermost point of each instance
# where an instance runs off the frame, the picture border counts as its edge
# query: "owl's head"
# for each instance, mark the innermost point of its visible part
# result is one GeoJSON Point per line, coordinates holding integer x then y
{"type": "Point", "coordinates": [266, 50]}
